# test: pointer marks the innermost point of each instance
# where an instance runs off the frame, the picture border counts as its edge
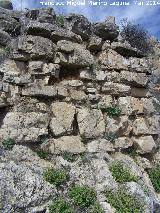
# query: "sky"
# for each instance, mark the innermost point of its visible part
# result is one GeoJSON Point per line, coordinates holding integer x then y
{"type": "Point", "coordinates": [148, 14]}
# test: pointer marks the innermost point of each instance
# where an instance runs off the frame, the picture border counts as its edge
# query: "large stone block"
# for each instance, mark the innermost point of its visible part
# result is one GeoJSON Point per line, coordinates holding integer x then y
{"type": "Point", "coordinates": [32, 47]}
{"type": "Point", "coordinates": [130, 105]}
{"type": "Point", "coordinates": [120, 126]}
{"type": "Point", "coordinates": [24, 127]}
{"type": "Point", "coordinates": [134, 79]}
{"type": "Point", "coordinates": [69, 144]}
{"type": "Point", "coordinates": [106, 30]}
{"type": "Point", "coordinates": [91, 123]}
{"type": "Point", "coordinates": [45, 91]}
{"type": "Point", "coordinates": [111, 88]}
{"type": "Point", "coordinates": [73, 55]}
{"type": "Point", "coordinates": [144, 144]}
{"type": "Point", "coordinates": [147, 125]}
{"type": "Point", "coordinates": [63, 117]}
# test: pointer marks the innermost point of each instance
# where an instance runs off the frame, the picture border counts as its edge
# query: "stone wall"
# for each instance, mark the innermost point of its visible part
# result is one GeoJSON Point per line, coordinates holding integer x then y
{"type": "Point", "coordinates": [67, 85]}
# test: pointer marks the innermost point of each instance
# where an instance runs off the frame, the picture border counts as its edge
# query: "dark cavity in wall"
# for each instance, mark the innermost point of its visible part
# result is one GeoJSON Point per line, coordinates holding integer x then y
{"type": "Point", "coordinates": [69, 73]}
{"type": "Point", "coordinates": [3, 112]}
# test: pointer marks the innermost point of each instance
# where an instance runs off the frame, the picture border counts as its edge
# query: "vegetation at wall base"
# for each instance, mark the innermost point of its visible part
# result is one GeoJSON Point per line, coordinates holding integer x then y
{"type": "Point", "coordinates": [121, 174]}
{"type": "Point", "coordinates": [124, 202]}
{"type": "Point", "coordinates": [154, 175]}
{"type": "Point", "coordinates": [56, 177]}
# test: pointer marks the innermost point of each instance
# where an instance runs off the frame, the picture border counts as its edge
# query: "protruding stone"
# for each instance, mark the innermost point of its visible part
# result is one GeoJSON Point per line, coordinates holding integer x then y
{"type": "Point", "coordinates": [70, 144]}
{"type": "Point", "coordinates": [147, 126]}
{"type": "Point", "coordinates": [63, 118]}
{"type": "Point", "coordinates": [91, 123]}
{"type": "Point", "coordinates": [73, 55]}
{"type": "Point", "coordinates": [106, 30]}
{"type": "Point", "coordinates": [111, 88]}
{"type": "Point", "coordinates": [145, 144]}
{"type": "Point", "coordinates": [24, 127]}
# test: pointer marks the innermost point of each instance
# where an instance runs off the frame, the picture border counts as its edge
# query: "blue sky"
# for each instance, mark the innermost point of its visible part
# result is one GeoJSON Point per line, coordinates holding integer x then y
{"type": "Point", "coordinates": [148, 16]}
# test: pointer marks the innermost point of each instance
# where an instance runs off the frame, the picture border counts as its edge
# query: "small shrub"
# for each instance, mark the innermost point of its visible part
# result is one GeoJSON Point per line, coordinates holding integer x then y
{"type": "Point", "coordinates": [60, 206]}
{"type": "Point", "coordinates": [110, 136]}
{"type": "Point", "coordinates": [154, 175]}
{"type": "Point", "coordinates": [60, 20]}
{"type": "Point", "coordinates": [113, 111]}
{"type": "Point", "coordinates": [82, 196]}
{"type": "Point", "coordinates": [42, 154]}
{"type": "Point", "coordinates": [136, 36]}
{"type": "Point", "coordinates": [8, 144]}
{"type": "Point", "coordinates": [121, 174]}
{"type": "Point", "coordinates": [123, 202]}
{"type": "Point", "coordinates": [56, 177]}
{"type": "Point", "coordinates": [96, 208]}
{"type": "Point", "coordinates": [69, 156]}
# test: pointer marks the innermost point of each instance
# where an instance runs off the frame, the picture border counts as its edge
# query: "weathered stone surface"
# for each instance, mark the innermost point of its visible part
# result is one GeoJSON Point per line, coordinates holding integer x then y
{"type": "Point", "coordinates": [73, 55]}
{"type": "Point", "coordinates": [12, 66]}
{"type": "Point", "coordinates": [112, 60]}
{"type": "Point", "coordinates": [133, 78]}
{"type": "Point", "coordinates": [146, 126]}
{"type": "Point", "coordinates": [69, 144]}
{"type": "Point", "coordinates": [45, 91]}
{"type": "Point", "coordinates": [123, 143]}
{"type": "Point", "coordinates": [95, 44]}
{"type": "Point", "coordinates": [32, 47]}
{"type": "Point", "coordinates": [77, 95]}
{"type": "Point", "coordinates": [105, 101]}
{"type": "Point", "coordinates": [115, 89]}
{"type": "Point", "coordinates": [8, 23]}
{"type": "Point", "coordinates": [130, 105]}
{"type": "Point", "coordinates": [62, 119]}
{"type": "Point", "coordinates": [145, 144]}
{"type": "Point", "coordinates": [24, 127]}
{"type": "Point", "coordinates": [79, 25]}
{"type": "Point", "coordinates": [120, 126]}
{"type": "Point", "coordinates": [106, 30]}
{"type": "Point", "coordinates": [140, 92]}
{"type": "Point", "coordinates": [95, 174]}
{"type": "Point", "coordinates": [51, 31]}
{"type": "Point", "coordinates": [103, 177]}
{"type": "Point", "coordinates": [4, 38]}
{"type": "Point", "coordinates": [101, 145]}
{"type": "Point", "coordinates": [107, 76]}
{"type": "Point", "coordinates": [91, 123]}
{"type": "Point", "coordinates": [22, 183]}
{"type": "Point", "coordinates": [126, 49]}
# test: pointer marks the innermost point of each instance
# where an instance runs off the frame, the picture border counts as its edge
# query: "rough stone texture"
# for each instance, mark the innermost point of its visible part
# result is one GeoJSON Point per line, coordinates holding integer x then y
{"type": "Point", "coordinates": [27, 189]}
{"type": "Point", "coordinates": [24, 127]}
{"type": "Point", "coordinates": [62, 120]}
{"type": "Point", "coordinates": [91, 123]}
{"type": "Point", "coordinates": [131, 105]}
{"type": "Point", "coordinates": [70, 144]}
{"type": "Point", "coordinates": [119, 126]}
{"type": "Point", "coordinates": [73, 55]}
{"type": "Point", "coordinates": [32, 47]}
{"type": "Point", "coordinates": [45, 91]}
{"type": "Point", "coordinates": [4, 38]}
{"type": "Point", "coordinates": [145, 144]}
{"type": "Point", "coordinates": [79, 25]}
{"type": "Point", "coordinates": [115, 89]}
{"type": "Point", "coordinates": [106, 30]}
{"type": "Point", "coordinates": [146, 126]}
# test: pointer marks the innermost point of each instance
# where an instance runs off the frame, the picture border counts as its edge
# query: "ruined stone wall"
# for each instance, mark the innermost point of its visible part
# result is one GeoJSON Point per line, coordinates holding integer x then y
{"type": "Point", "coordinates": [69, 86]}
